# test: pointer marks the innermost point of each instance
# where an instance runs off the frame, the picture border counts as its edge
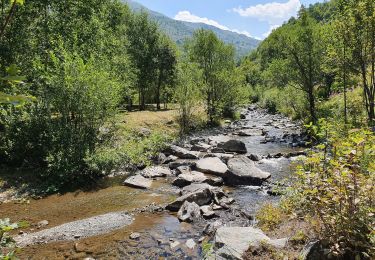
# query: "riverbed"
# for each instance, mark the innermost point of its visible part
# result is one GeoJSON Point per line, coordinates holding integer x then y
{"type": "Point", "coordinates": [161, 234]}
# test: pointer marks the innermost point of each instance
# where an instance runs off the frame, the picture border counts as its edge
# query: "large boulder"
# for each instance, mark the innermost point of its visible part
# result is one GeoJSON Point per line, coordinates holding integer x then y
{"type": "Point", "coordinates": [233, 242]}
{"type": "Point", "coordinates": [212, 165]}
{"type": "Point", "coordinates": [156, 171]}
{"type": "Point", "coordinates": [138, 181]}
{"type": "Point", "coordinates": [185, 179]}
{"type": "Point", "coordinates": [201, 197]}
{"type": "Point", "coordinates": [178, 163]}
{"type": "Point", "coordinates": [182, 153]}
{"type": "Point", "coordinates": [189, 212]}
{"type": "Point", "coordinates": [243, 171]}
{"type": "Point", "coordinates": [233, 146]}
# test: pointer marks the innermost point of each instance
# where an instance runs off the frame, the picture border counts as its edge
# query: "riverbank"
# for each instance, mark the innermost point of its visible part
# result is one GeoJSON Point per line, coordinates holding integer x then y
{"type": "Point", "coordinates": [270, 140]}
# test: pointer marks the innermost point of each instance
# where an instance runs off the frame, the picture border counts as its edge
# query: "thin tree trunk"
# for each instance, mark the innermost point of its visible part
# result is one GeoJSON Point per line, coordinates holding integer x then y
{"type": "Point", "coordinates": [7, 19]}
{"type": "Point", "coordinates": [312, 105]}
{"type": "Point", "coordinates": [158, 92]}
{"type": "Point", "coordinates": [345, 96]}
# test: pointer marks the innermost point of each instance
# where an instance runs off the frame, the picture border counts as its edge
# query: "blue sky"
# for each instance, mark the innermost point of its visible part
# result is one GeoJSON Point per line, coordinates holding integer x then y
{"type": "Point", "coordinates": [254, 18]}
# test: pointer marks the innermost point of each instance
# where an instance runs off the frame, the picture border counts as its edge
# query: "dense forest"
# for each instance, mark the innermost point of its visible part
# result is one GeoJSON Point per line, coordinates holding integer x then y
{"type": "Point", "coordinates": [69, 68]}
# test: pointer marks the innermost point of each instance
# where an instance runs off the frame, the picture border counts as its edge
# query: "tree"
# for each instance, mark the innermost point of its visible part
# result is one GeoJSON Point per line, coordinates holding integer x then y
{"type": "Point", "coordinates": [213, 57]}
{"type": "Point", "coordinates": [361, 17]}
{"type": "Point", "coordinates": [187, 93]}
{"type": "Point", "coordinates": [166, 65]}
{"type": "Point", "coordinates": [302, 46]}
{"type": "Point", "coordinates": [143, 38]}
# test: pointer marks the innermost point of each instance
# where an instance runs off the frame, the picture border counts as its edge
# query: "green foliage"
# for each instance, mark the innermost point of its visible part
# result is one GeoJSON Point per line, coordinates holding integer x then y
{"type": "Point", "coordinates": [7, 244]}
{"type": "Point", "coordinates": [222, 84]}
{"type": "Point", "coordinates": [188, 95]}
{"type": "Point", "coordinates": [269, 216]}
{"type": "Point", "coordinates": [335, 186]}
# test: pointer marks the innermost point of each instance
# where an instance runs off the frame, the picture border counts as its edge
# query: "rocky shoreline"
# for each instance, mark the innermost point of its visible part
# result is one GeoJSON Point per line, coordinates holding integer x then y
{"type": "Point", "coordinates": [203, 171]}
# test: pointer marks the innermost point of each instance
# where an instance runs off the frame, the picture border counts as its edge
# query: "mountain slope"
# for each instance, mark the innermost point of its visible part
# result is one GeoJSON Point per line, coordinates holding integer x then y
{"type": "Point", "coordinates": [179, 31]}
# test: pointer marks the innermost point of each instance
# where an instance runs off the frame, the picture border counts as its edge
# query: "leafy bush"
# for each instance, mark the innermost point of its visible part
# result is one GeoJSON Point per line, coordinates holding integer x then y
{"type": "Point", "coordinates": [269, 216]}
{"type": "Point", "coordinates": [7, 244]}
{"type": "Point", "coordinates": [335, 186]}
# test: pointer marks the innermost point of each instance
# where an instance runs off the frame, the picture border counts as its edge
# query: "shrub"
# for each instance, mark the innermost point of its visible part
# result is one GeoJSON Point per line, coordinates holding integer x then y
{"type": "Point", "coordinates": [7, 244]}
{"type": "Point", "coordinates": [335, 186]}
{"type": "Point", "coordinates": [269, 216]}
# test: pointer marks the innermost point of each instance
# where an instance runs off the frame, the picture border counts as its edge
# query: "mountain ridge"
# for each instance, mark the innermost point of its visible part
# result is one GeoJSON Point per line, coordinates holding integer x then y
{"type": "Point", "coordinates": [179, 31]}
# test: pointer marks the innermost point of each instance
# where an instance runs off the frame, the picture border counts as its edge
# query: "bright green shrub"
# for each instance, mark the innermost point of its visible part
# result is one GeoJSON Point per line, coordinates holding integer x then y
{"type": "Point", "coordinates": [335, 186]}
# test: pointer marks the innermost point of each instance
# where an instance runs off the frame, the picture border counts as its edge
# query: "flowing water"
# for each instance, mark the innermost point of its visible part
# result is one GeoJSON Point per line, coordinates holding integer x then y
{"type": "Point", "coordinates": [157, 228]}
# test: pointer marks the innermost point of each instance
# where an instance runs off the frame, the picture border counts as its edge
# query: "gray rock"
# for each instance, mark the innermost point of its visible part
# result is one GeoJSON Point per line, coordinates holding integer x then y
{"type": "Point", "coordinates": [212, 165]}
{"type": "Point", "coordinates": [223, 156]}
{"type": "Point", "coordinates": [194, 187]}
{"type": "Point", "coordinates": [182, 153]}
{"type": "Point", "coordinates": [233, 242]}
{"type": "Point", "coordinates": [211, 228]}
{"type": "Point", "coordinates": [187, 178]}
{"type": "Point", "coordinates": [254, 157]}
{"type": "Point", "coordinates": [189, 212]}
{"type": "Point", "coordinates": [190, 244]}
{"type": "Point", "coordinates": [201, 147]}
{"type": "Point", "coordinates": [251, 132]}
{"type": "Point", "coordinates": [234, 146]}
{"type": "Point", "coordinates": [42, 223]}
{"type": "Point", "coordinates": [135, 236]}
{"type": "Point", "coordinates": [170, 158]}
{"type": "Point", "coordinates": [243, 171]}
{"type": "Point", "coordinates": [174, 244]}
{"type": "Point", "coordinates": [156, 171]}
{"type": "Point", "coordinates": [174, 165]}
{"type": "Point", "coordinates": [200, 197]}
{"type": "Point", "coordinates": [207, 212]}
{"type": "Point", "coordinates": [183, 170]}
{"type": "Point", "coordinates": [217, 181]}
{"type": "Point", "coordinates": [138, 181]}
{"type": "Point", "coordinates": [144, 132]}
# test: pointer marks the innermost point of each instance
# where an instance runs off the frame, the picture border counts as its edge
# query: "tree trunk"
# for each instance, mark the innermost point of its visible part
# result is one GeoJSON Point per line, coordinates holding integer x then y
{"type": "Point", "coordinates": [312, 105]}
{"type": "Point", "coordinates": [158, 92]}
{"type": "Point", "coordinates": [345, 97]}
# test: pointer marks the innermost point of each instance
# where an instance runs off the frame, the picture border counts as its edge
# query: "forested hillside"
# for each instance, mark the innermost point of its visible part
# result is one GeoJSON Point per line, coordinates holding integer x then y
{"type": "Point", "coordinates": [180, 31]}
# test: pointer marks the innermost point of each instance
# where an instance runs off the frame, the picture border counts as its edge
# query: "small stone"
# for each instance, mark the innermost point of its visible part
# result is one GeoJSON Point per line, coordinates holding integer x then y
{"type": "Point", "coordinates": [135, 236]}
{"type": "Point", "coordinates": [190, 244]}
{"type": "Point", "coordinates": [201, 239]}
{"type": "Point", "coordinates": [42, 223]}
{"type": "Point", "coordinates": [174, 244]}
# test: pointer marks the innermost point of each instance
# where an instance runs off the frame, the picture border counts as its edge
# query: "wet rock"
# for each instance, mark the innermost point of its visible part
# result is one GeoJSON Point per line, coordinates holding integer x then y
{"type": "Point", "coordinates": [296, 154]}
{"type": "Point", "coordinates": [254, 157]}
{"type": "Point", "coordinates": [201, 197]}
{"type": "Point", "coordinates": [201, 147]}
{"type": "Point", "coordinates": [174, 165]}
{"type": "Point", "coordinates": [160, 158]}
{"type": "Point", "coordinates": [135, 236]}
{"type": "Point", "coordinates": [207, 212]}
{"type": "Point", "coordinates": [251, 132]}
{"type": "Point", "coordinates": [311, 251]}
{"type": "Point", "coordinates": [190, 244]}
{"type": "Point", "coordinates": [174, 244]}
{"type": "Point", "coordinates": [182, 153]}
{"type": "Point", "coordinates": [186, 179]}
{"type": "Point", "coordinates": [212, 165]}
{"type": "Point", "coordinates": [156, 171]}
{"type": "Point", "coordinates": [218, 181]}
{"type": "Point", "coordinates": [196, 187]}
{"type": "Point", "coordinates": [242, 171]}
{"type": "Point", "coordinates": [223, 156]}
{"type": "Point", "coordinates": [211, 228]}
{"type": "Point", "coordinates": [183, 170]}
{"type": "Point", "coordinates": [138, 181]}
{"type": "Point", "coordinates": [217, 150]}
{"type": "Point", "coordinates": [170, 158]}
{"type": "Point", "coordinates": [233, 242]}
{"type": "Point", "coordinates": [234, 146]}
{"type": "Point", "coordinates": [189, 212]}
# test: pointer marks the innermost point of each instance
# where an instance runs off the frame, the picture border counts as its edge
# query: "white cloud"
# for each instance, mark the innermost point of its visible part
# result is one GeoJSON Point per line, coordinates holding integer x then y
{"type": "Point", "coordinates": [272, 27]}
{"type": "Point", "coordinates": [189, 17]}
{"type": "Point", "coordinates": [273, 13]}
